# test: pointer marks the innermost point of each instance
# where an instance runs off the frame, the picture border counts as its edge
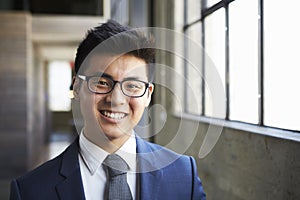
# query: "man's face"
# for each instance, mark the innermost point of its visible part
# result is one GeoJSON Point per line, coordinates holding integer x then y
{"type": "Point", "coordinates": [113, 115]}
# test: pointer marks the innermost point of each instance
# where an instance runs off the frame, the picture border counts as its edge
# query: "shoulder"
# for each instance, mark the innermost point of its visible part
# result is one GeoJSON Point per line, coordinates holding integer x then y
{"type": "Point", "coordinates": [178, 171]}
{"type": "Point", "coordinates": [171, 159]}
{"type": "Point", "coordinates": [48, 176]}
{"type": "Point", "coordinates": [48, 171]}
{"type": "Point", "coordinates": [43, 178]}
{"type": "Point", "coordinates": [146, 147]}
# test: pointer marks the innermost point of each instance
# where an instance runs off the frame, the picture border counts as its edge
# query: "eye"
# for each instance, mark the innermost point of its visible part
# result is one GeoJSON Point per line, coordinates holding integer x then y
{"type": "Point", "coordinates": [133, 85]}
{"type": "Point", "coordinates": [101, 82]}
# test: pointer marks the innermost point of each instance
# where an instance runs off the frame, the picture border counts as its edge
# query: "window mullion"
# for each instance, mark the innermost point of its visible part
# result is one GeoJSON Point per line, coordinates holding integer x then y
{"type": "Point", "coordinates": [203, 68]}
{"type": "Point", "coordinates": [261, 64]}
{"type": "Point", "coordinates": [185, 95]}
{"type": "Point", "coordinates": [227, 70]}
{"type": "Point", "coordinates": [203, 5]}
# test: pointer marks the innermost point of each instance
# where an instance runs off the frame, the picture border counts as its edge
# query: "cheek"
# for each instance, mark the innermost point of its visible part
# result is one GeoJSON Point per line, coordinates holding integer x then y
{"type": "Point", "coordinates": [88, 104]}
{"type": "Point", "coordinates": [137, 106]}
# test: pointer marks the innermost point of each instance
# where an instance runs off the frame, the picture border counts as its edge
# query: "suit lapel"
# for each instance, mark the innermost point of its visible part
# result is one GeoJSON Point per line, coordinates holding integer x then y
{"type": "Point", "coordinates": [71, 187]}
{"type": "Point", "coordinates": [149, 173]}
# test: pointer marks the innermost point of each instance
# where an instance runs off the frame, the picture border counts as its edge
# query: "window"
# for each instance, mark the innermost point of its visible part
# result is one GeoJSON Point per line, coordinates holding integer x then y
{"type": "Point", "coordinates": [214, 45]}
{"type": "Point", "coordinates": [282, 43]}
{"type": "Point", "coordinates": [211, 2]}
{"type": "Point", "coordinates": [253, 46]}
{"type": "Point", "coordinates": [59, 80]}
{"type": "Point", "coordinates": [193, 74]}
{"type": "Point", "coordinates": [243, 61]}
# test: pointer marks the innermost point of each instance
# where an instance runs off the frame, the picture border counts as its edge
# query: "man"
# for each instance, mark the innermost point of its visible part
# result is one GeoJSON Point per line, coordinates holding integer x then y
{"type": "Point", "coordinates": [108, 160]}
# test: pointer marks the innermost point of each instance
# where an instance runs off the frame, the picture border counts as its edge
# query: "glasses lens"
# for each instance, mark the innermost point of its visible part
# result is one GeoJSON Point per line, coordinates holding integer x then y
{"type": "Point", "coordinates": [133, 88]}
{"type": "Point", "coordinates": [100, 84]}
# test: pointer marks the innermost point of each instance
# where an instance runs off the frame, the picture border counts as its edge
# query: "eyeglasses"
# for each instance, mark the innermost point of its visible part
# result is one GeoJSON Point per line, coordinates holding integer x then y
{"type": "Point", "coordinates": [104, 85]}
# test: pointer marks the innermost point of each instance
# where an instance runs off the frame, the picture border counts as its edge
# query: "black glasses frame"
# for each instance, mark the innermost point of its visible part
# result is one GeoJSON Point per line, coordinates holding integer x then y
{"type": "Point", "coordinates": [87, 78]}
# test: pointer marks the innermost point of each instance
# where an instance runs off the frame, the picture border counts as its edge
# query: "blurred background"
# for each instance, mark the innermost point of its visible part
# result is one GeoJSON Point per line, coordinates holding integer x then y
{"type": "Point", "coordinates": [253, 45]}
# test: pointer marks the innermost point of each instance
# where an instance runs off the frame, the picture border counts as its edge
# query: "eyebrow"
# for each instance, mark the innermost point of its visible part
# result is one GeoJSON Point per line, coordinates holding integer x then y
{"type": "Point", "coordinates": [103, 74]}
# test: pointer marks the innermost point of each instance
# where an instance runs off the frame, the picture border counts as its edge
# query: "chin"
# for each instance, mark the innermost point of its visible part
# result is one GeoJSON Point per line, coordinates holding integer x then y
{"type": "Point", "coordinates": [115, 132]}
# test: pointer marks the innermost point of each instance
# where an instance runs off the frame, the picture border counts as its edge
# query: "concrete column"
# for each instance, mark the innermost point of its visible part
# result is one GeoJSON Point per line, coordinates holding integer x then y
{"type": "Point", "coordinates": [15, 118]}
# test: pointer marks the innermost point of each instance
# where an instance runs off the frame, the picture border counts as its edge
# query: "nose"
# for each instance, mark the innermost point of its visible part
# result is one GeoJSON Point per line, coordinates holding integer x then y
{"type": "Point", "coordinates": [116, 96]}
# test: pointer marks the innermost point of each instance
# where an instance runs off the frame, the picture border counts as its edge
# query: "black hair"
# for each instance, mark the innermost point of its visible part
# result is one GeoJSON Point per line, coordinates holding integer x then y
{"type": "Point", "coordinates": [127, 41]}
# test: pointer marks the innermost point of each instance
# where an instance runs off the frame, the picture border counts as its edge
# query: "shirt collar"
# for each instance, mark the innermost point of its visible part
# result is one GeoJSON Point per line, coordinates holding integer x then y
{"type": "Point", "coordinates": [93, 156]}
{"type": "Point", "coordinates": [128, 152]}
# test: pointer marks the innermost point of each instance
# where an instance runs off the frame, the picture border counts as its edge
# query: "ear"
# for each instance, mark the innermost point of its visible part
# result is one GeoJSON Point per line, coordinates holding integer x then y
{"type": "Point", "coordinates": [150, 91]}
{"type": "Point", "coordinates": [76, 87]}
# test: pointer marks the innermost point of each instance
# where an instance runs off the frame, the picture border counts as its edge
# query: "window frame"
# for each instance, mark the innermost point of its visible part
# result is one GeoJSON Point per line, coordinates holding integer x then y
{"type": "Point", "coordinates": [260, 127]}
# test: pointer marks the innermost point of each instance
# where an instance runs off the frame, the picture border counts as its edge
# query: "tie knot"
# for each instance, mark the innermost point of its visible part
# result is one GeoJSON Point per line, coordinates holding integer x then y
{"type": "Point", "coordinates": [115, 165]}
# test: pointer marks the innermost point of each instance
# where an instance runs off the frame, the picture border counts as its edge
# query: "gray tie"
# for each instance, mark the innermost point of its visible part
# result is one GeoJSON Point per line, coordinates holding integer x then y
{"type": "Point", "coordinates": [117, 187]}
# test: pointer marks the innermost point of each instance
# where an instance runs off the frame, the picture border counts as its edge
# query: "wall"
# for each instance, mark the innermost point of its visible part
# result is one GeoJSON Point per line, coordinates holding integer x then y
{"type": "Point", "coordinates": [27, 42]}
{"type": "Point", "coordinates": [243, 164]}
{"type": "Point", "coordinates": [15, 126]}
{"type": "Point", "coordinates": [62, 122]}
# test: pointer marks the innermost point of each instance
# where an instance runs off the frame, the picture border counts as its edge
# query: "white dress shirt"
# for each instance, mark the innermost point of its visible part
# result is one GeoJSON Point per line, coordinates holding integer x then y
{"type": "Point", "coordinates": [94, 176]}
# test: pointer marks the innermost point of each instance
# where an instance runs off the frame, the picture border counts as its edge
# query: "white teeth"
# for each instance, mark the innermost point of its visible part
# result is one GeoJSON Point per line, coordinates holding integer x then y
{"type": "Point", "coordinates": [114, 115]}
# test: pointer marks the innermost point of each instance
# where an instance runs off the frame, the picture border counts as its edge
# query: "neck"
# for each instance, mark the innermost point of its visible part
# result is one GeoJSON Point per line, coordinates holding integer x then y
{"type": "Point", "coordinates": [109, 145]}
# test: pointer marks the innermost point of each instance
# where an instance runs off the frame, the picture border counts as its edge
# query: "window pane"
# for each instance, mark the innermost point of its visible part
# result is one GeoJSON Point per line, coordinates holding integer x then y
{"type": "Point", "coordinates": [194, 70]}
{"type": "Point", "coordinates": [243, 44]}
{"type": "Point", "coordinates": [212, 2]}
{"type": "Point", "coordinates": [193, 10]}
{"type": "Point", "coordinates": [282, 43]}
{"type": "Point", "coordinates": [215, 49]}
{"type": "Point", "coordinates": [60, 75]}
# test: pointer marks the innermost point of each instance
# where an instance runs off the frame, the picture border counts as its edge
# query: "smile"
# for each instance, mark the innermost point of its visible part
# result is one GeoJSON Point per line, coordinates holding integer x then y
{"type": "Point", "coordinates": [113, 115]}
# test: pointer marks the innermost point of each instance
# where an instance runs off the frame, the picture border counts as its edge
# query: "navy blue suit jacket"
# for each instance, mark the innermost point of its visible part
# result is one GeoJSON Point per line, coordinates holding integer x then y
{"type": "Point", "coordinates": [60, 178]}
